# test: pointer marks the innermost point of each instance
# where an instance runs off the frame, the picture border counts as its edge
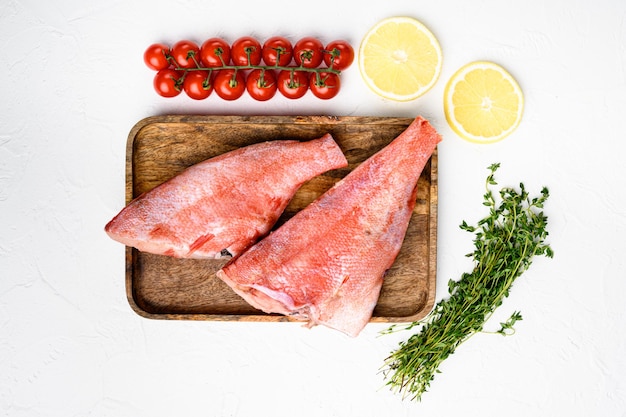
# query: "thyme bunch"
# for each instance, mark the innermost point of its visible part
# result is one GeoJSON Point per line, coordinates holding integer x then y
{"type": "Point", "coordinates": [505, 242]}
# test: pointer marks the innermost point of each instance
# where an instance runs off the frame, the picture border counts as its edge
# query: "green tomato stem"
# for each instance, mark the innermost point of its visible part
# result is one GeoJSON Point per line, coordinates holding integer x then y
{"type": "Point", "coordinates": [261, 67]}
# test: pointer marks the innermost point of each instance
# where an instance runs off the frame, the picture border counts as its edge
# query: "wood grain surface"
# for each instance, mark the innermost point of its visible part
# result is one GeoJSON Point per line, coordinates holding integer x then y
{"type": "Point", "coordinates": [160, 147]}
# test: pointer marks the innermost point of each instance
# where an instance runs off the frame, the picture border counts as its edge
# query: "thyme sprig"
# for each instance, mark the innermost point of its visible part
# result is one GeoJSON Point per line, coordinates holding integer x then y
{"type": "Point", "coordinates": [505, 242]}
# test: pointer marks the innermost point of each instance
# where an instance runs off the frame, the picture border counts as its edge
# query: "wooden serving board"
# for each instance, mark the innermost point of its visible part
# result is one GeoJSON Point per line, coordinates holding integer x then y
{"type": "Point", "coordinates": [160, 147]}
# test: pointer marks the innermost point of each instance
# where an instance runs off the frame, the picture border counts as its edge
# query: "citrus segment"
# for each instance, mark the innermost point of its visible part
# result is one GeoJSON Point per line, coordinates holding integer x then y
{"type": "Point", "coordinates": [483, 103]}
{"type": "Point", "coordinates": [400, 58]}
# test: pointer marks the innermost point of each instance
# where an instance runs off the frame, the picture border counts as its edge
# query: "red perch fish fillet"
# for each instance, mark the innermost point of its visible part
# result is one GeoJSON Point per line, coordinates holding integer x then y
{"type": "Point", "coordinates": [326, 264]}
{"type": "Point", "coordinates": [221, 206]}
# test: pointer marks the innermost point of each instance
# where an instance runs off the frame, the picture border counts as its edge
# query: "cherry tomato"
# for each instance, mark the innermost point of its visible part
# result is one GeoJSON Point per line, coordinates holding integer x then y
{"type": "Point", "coordinates": [293, 84]}
{"type": "Point", "coordinates": [214, 52]}
{"type": "Point", "coordinates": [308, 52]}
{"type": "Point", "coordinates": [167, 82]}
{"type": "Point", "coordinates": [246, 51]}
{"type": "Point", "coordinates": [155, 56]}
{"type": "Point", "coordinates": [261, 84]}
{"type": "Point", "coordinates": [197, 84]}
{"type": "Point", "coordinates": [185, 53]}
{"type": "Point", "coordinates": [229, 84]}
{"type": "Point", "coordinates": [277, 51]}
{"type": "Point", "coordinates": [339, 54]}
{"type": "Point", "coordinates": [324, 85]}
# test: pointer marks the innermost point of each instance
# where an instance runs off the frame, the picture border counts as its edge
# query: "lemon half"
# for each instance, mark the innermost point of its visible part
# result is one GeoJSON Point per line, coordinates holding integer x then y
{"type": "Point", "coordinates": [483, 103]}
{"type": "Point", "coordinates": [400, 59]}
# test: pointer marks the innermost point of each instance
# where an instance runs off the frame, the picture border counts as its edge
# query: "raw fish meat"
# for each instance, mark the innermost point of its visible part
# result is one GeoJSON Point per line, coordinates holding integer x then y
{"type": "Point", "coordinates": [326, 264]}
{"type": "Point", "coordinates": [219, 207]}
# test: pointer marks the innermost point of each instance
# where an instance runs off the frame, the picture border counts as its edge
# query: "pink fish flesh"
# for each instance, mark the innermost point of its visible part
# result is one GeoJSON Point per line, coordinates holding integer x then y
{"type": "Point", "coordinates": [221, 206]}
{"type": "Point", "coordinates": [326, 264]}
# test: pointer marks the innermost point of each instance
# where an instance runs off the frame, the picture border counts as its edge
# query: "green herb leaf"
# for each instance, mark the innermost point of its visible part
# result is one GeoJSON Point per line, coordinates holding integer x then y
{"type": "Point", "coordinates": [506, 328]}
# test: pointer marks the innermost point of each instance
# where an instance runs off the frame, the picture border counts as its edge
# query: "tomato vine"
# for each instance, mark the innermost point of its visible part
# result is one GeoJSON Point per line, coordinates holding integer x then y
{"type": "Point", "coordinates": [277, 65]}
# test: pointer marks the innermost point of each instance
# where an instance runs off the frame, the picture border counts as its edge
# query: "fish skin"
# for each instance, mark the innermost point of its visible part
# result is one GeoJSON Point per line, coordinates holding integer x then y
{"type": "Point", "coordinates": [327, 263]}
{"type": "Point", "coordinates": [225, 203]}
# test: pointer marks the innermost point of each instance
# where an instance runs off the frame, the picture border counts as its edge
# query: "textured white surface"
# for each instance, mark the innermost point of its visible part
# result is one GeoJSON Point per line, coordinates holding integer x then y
{"type": "Point", "coordinates": [73, 85]}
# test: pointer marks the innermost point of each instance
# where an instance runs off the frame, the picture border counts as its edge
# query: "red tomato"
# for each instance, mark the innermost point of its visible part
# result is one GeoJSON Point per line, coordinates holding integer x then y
{"type": "Point", "coordinates": [339, 55]}
{"type": "Point", "coordinates": [325, 85]}
{"type": "Point", "coordinates": [155, 56]}
{"type": "Point", "coordinates": [293, 84]}
{"type": "Point", "coordinates": [197, 84]}
{"type": "Point", "coordinates": [167, 82]}
{"type": "Point", "coordinates": [308, 52]}
{"type": "Point", "coordinates": [229, 84]}
{"type": "Point", "coordinates": [185, 53]}
{"type": "Point", "coordinates": [246, 51]}
{"type": "Point", "coordinates": [215, 52]}
{"type": "Point", "coordinates": [277, 51]}
{"type": "Point", "coordinates": [261, 84]}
